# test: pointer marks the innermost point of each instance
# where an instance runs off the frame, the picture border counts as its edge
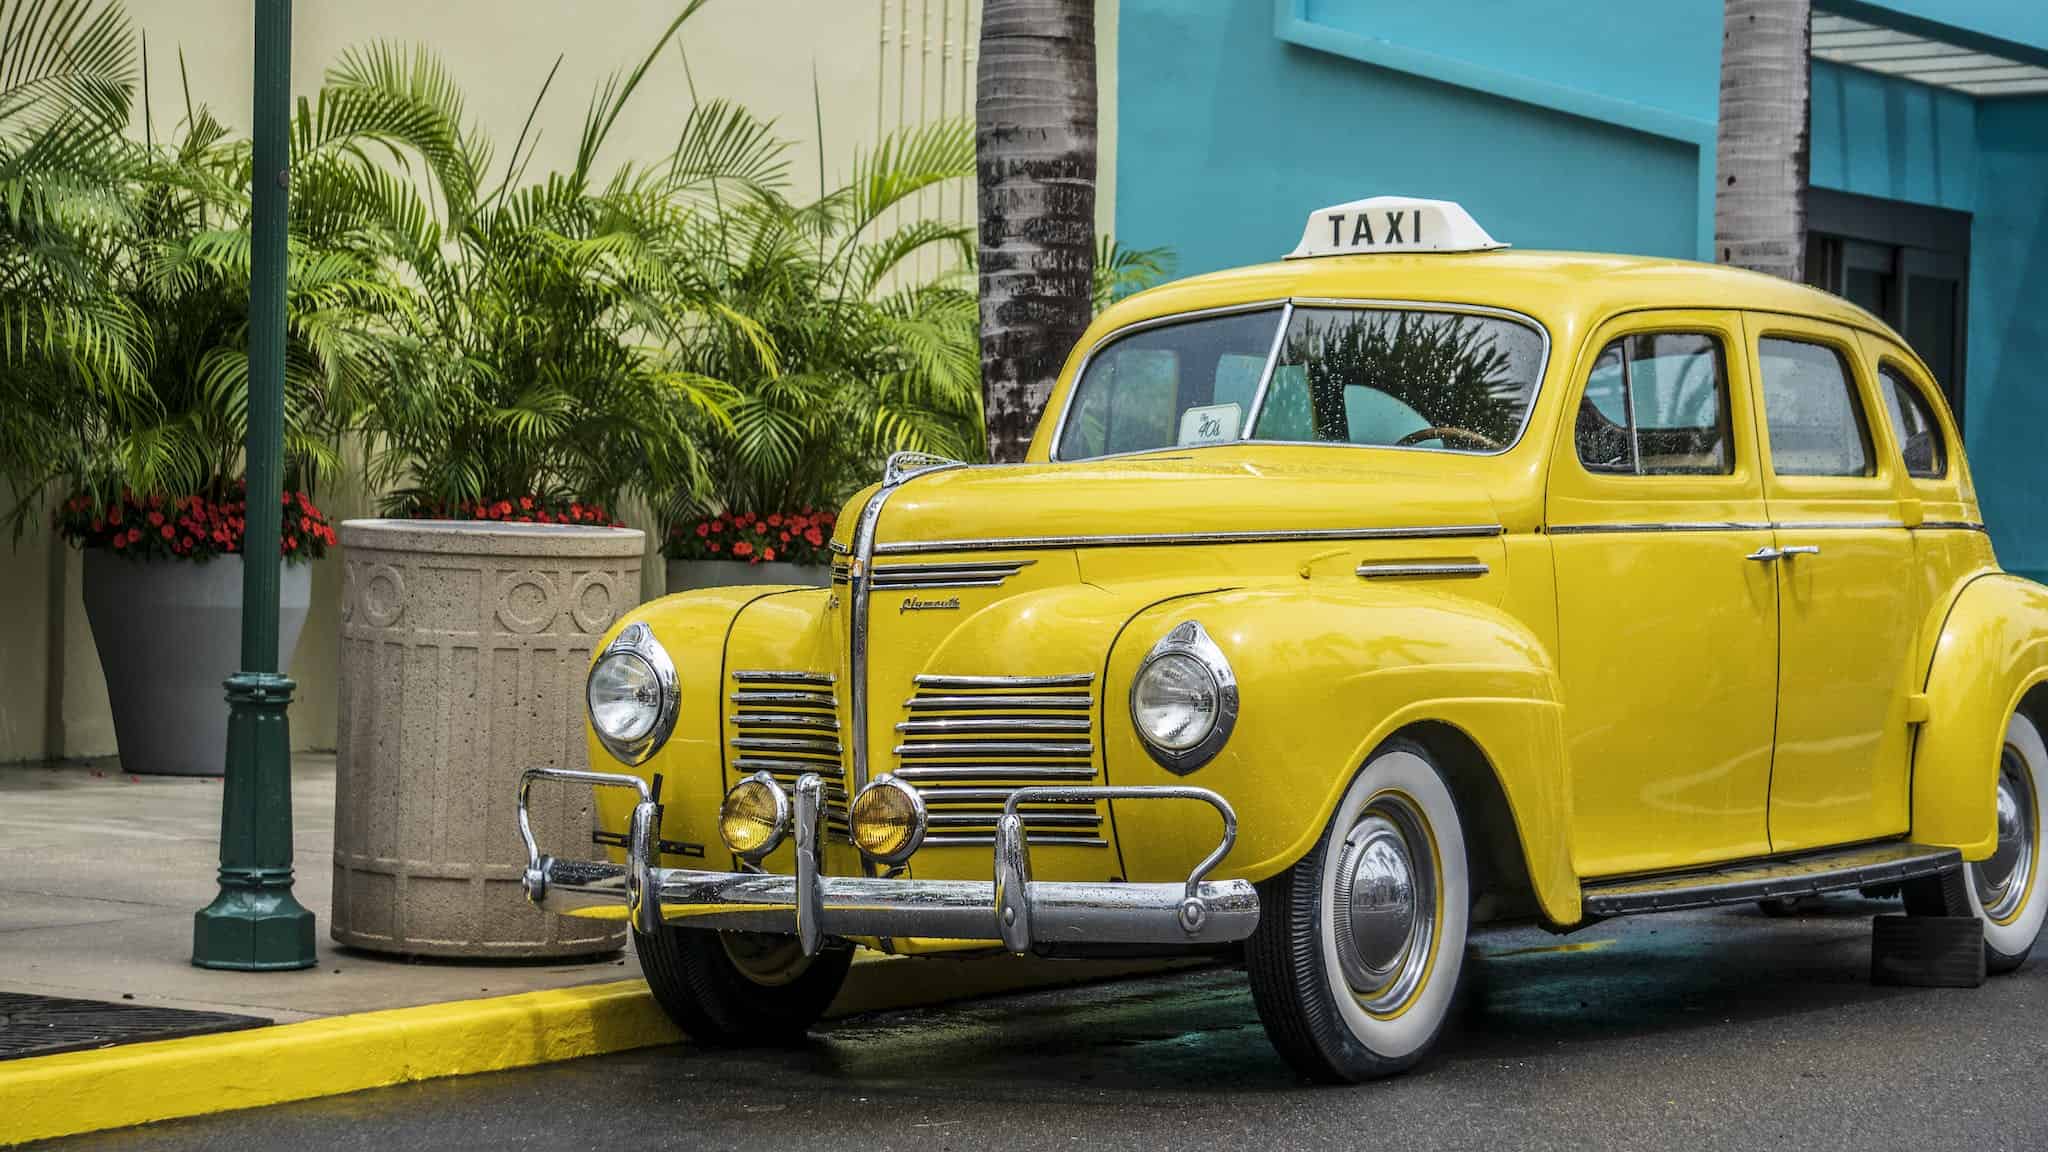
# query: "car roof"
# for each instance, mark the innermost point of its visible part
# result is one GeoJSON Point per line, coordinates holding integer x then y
{"type": "Point", "coordinates": [1588, 286]}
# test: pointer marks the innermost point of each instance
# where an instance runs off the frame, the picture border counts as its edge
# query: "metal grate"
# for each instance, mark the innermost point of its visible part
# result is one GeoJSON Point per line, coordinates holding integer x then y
{"type": "Point", "coordinates": [970, 741]}
{"type": "Point", "coordinates": [43, 1025]}
{"type": "Point", "coordinates": [787, 724]}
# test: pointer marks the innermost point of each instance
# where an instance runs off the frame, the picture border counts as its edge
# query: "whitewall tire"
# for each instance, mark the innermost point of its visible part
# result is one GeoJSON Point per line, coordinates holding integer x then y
{"type": "Point", "coordinates": [2006, 890]}
{"type": "Point", "coordinates": [1355, 964]}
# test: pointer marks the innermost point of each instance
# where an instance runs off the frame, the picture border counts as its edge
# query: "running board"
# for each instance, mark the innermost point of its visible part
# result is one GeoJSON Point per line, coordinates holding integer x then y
{"type": "Point", "coordinates": [1744, 881]}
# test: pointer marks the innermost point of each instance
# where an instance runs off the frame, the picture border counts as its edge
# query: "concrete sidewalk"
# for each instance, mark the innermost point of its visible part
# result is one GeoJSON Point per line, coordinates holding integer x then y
{"type": "Point", "coordinates": [101, 872]}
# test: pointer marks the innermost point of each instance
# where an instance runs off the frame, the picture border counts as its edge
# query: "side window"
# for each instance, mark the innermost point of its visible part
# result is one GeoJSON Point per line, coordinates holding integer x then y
{"type": "Point", "coordinates": [1913, 420]}
{"type": "Point", "coordinates": [1816, 425]}
{"type": "Point", "coordinates": [1656, 404]}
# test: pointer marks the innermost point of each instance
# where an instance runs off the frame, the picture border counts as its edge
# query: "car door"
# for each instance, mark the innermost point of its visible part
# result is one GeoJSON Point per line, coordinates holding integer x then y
{"type": "Point", "coordinates": [1667, 634]}
{"type": "Point", "coordinates": [1848, 587]}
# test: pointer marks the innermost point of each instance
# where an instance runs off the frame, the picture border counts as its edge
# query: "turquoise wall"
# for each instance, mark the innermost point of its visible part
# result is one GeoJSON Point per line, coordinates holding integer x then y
{"type": "Point", "coordinates": [2007, 404]}
{"type": "Point", "coordinates": [1229, 136]}
{"type": "Point", "coordinates": [1879, 136]}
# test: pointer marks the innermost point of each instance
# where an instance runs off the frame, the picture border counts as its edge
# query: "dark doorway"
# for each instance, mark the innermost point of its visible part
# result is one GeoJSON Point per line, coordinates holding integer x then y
{"type": "Point", "coordinates": [1907, 263]}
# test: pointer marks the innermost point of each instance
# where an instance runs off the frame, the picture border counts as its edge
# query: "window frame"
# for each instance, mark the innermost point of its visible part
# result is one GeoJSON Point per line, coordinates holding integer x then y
{"type": "Point", "coordinates": [1841, 339]}
{"type": "Point", "coordinates": [1727, 412]}
{"type": "Point", "coordinates": [1065, 392]}
{"type": "Point", "coordinates": [1888, 363]}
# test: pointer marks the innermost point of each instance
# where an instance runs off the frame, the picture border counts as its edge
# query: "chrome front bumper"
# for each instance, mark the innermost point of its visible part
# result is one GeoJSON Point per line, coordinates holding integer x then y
{"type": "Point", "coordinates": [1011, 908]}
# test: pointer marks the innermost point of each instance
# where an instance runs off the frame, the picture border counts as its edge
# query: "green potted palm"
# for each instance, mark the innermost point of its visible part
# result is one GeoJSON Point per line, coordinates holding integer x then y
{"type": "Point", "coordinates": [155, 477]}
{"type": "Point", "coordinates": [865, 344]}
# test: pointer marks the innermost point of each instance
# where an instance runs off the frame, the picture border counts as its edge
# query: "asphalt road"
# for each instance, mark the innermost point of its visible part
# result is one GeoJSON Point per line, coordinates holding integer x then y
{"type": "Point", "coordinates": [1707, 1030]}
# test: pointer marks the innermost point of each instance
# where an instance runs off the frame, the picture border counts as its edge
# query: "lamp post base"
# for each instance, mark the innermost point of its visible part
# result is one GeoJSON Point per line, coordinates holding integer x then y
{"type": "Point", "coordinates": [255, 924]}
{"type": "Point", "coordinates": [253, 929]}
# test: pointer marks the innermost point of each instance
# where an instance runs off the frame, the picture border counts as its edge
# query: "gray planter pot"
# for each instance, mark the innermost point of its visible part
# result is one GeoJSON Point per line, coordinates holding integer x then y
{"type": "Point", "coordinates": [463, 651]}
{"type": "Point", "coordinates": [685, 575]}
{"type": "Point", "coordinates": [168, 633]}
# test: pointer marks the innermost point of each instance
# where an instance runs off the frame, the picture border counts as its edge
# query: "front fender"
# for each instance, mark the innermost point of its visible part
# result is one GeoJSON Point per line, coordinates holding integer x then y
{"type": "Point", "coordinates": [1992, 650]}
{"type": "Point", "coordinates": [693, 627]}
{"type": "Point", "coordinates": [1325, 674]}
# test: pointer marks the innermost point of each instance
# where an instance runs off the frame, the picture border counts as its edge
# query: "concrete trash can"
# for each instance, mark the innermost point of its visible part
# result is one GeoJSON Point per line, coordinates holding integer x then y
{"type": "Point", "coordinates": [464, 647]}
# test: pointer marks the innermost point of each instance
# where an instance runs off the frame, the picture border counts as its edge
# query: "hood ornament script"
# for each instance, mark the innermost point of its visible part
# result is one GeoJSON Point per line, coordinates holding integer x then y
{"type": "Point", "coordinates": [913, 604]}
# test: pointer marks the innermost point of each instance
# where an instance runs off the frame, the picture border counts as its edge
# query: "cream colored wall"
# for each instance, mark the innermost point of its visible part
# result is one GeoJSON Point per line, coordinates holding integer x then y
{"type": "Point", "coordinates": [878, 65]}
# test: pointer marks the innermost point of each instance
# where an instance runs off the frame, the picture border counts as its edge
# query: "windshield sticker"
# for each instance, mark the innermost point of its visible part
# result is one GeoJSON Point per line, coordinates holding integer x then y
{"type": "Point", "coordinates": [1211, 424]}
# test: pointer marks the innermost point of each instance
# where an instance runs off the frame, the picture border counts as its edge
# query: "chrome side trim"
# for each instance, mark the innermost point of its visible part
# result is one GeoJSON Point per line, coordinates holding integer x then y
{"type": "Point", "coordinates": [1725, 526]}
{"type": "Point", "coordinates": [1833, 525]}
{"type": "Point", "coordinates": [900, 469]}
{"type": "Point", "coordinates": [1952, 525]}
{"type": "Point", "coordinates": [1669, 526]}
{"type": "Point", "coordinates": [1150, 539]}
{"type": "Point", "coordinates": [785, 720]}
{"type": "Point", "coordinates": [1422, 569]}
{"type": "Point", "coordinates": [787, 744]}
{"type": "Point", "coordinates": [948, 575]}
{"type": "Point", "coordinates": [969, 683]}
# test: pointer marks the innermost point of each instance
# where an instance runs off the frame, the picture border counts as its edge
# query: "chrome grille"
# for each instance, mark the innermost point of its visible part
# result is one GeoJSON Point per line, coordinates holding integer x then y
{"type": "Point", "coordinates": [970, 741]}
{"type": "Point", "coordinates": [787, 724]}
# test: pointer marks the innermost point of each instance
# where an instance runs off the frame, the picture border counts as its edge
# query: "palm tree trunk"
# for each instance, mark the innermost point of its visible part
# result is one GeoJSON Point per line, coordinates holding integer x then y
{"type": "Point", "coordinates": [1035, 163]}
{"type": "Point", "coordinates": [1760, 200]}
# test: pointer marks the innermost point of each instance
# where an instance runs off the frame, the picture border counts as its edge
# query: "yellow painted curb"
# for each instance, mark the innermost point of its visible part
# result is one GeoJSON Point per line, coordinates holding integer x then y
{"type": "Point", "coordinates": [42, 1097]}
{"type": "Point", "coordinates": [76, 1092]}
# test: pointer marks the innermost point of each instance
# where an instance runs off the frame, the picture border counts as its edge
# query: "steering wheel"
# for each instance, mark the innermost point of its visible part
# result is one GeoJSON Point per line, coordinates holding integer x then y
{"type": "Point", "coordinates": [1447, 432]}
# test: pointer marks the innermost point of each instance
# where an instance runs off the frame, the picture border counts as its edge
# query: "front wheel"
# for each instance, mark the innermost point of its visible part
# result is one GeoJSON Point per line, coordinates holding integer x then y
{"type": "Point", "coordinates": [2004, 890]}
{"type": "Point", "coordinates": [740, 989]}
{"type": "Point", "coordinates": [1354, 965]}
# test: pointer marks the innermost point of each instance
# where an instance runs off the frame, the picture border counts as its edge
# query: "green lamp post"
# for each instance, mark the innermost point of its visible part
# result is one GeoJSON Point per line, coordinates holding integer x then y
{"type": "Point", "coordinates": [256, 923]}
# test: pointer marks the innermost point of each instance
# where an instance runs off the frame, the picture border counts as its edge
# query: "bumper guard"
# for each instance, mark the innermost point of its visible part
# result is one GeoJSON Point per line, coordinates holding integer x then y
{"type": "Point", "coordinates": [1011, 909]}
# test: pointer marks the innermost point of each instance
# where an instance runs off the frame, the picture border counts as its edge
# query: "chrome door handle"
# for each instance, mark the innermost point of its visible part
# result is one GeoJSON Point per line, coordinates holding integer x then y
{"type": "Point", "coordinates": [1768, 553]}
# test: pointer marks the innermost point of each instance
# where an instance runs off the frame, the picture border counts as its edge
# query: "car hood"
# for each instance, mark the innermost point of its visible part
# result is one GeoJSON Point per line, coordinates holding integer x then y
{"type": "Point", "coordinates": [1242, 489]}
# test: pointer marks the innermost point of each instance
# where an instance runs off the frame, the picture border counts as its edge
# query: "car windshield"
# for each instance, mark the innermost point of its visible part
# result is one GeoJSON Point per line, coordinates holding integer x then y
{"type": "Point", "coordinates": [1379, 376]}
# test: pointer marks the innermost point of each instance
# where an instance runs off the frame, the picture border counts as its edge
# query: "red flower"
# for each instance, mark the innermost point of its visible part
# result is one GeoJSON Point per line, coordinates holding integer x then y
{"type": "Point", "coordinates": [168, 531]}
{"type": "Point", "coordinates": [98, 525]}
{"type": "Point", "coordinates": [775, 519]}
{"type": "Point", "coordinates": [121, 541]}
{"type": "Point", "coordinates": [767, 553]}
{"type": "Point", "coordinates": [718, 525]}
{"type": "Point", "coordinates": [502, 508]}
{"type": "Point", "coordinates": [715, 546]}
{"type": "Point", "coordinates": [742, 548]}
{"type": "Point", "coordinates": [526, 502]}
{"type": "Point", "coordinates": [114, 514]}
{"type": "Point", "coordinates": [134, 534]}
{"type": "Point", "coordinates": [576, 509]}
{"type": "Point", "coordinates": [155, 518]}
{"type": "Point", "coordinates": [815, 537]}
{"type": "Point", "coordinates": [760, 529]}
{"type": "Point", "coordinates": [703, 529]}
{"type": "Point", "coordinates": [785, 537]}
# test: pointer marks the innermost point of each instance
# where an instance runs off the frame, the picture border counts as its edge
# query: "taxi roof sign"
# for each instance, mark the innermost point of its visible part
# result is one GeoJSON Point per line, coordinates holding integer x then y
{"type": "Point", "coordinates": [1392, 224]}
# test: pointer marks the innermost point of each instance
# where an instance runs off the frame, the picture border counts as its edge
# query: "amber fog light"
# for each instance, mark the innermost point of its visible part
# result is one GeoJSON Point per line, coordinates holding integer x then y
{"type": "Point", "coordinates": [888, 820]}
{"type": "Point", "coordinates": [754, 817]}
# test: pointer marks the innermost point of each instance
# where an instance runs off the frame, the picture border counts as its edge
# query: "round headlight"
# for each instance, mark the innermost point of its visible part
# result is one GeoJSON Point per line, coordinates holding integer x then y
{"type": "Point", "coordinates": [625, 697]}
{"type": "Point", "coordinates": [754, 817]}
{"type": "Point", "coordinates": [887, 820]}
{"type": "Point", "coordinates": [1174, 702]}
{"type": "Point", "coordinates": [633, 695]}
{"type": "Point", "coordinates": [1184, 699]}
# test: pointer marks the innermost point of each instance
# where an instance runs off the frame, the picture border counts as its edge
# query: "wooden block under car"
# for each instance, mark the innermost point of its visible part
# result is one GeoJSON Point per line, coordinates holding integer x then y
{"type": "Point", "coordinates": [1927, 951]}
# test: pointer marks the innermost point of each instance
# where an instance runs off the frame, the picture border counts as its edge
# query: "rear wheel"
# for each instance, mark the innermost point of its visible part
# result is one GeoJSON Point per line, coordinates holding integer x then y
{"type": "Point", "coordinates": [1354, 965]}
{"type": "Point", "coordinates": [2004, 890]}
{"type": "Point", "coordinates": [736, 989]}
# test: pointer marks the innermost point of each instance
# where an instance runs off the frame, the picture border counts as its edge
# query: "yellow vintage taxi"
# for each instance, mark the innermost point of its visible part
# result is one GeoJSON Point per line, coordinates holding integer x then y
{"type": "Point", "coordinates": [1344, 604]}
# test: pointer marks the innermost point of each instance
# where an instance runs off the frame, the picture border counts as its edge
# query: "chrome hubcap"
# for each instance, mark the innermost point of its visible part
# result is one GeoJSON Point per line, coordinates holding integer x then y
{"type": "Point", "coordinates": [2002, 880]}
{"type": "Point", "coordinates": [1385, 903]}
{"type": "Point", "coordinates": [766, 958]}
